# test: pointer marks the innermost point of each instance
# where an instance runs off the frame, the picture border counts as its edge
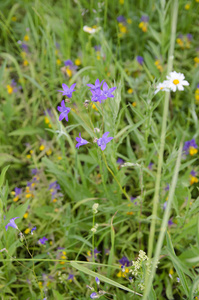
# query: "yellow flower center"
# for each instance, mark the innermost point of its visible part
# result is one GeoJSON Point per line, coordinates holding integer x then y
{"type": "Point", "coordinates": [176, 81]}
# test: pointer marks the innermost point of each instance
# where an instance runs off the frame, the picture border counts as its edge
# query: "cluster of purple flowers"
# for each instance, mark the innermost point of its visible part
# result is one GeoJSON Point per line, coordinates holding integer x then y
{"type": "Point", "coordinates": [54, 188]}
{"type": "Point", "coordinates": [98, 95]}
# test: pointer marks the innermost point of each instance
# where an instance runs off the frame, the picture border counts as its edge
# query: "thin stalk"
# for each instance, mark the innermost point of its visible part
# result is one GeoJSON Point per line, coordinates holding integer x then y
{"type": "Point", "coordinates": [162, 141]}
{"type": "Point", "coordinates": [164, 224]}
{"type": "Point", "coordinates": [163, 133]}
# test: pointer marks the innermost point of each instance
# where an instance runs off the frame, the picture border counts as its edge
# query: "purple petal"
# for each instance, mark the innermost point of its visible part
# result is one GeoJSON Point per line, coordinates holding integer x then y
{"type": "Point", "coordinates": [63, 103]}
{"type": "Point", "coordinates": [62, 116]}
{"type": "Point", "coordinates": [103, 147]}
{"type": "Point", "coordinates": [105, 134]}
{"type": "Point", "coordinates": [59, 108]}
{"type": "Point", "coordinates": [64, 86]}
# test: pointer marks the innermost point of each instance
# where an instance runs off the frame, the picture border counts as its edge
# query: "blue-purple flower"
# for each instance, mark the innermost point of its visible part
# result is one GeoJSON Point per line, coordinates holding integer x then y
{"type": "Point", "coordinates": [64, 111]}
{"type": "Point", "coordinates": [121, 19]}
{"type": "Point", "coordinates": [97, 95]}
{"type": "Point", "coordinates": [96, 86]}
{"type": "Point", "coordinates": [33, 229]}
{"type": "Point", "coordinates": [43, 240]}
{"type": "Point", "coordinates": [67, 91]}
{"type": "Point", "coordinates": [190, 147]}
{"type": "Point", "coordinates": [104, 140]}
{"type": "Point", "coordinates": [140, 59]}
{"type": "Point", "coordinates": [97, 280]}
{"type": "Point", "coordinates": [80, 141]}
{"type": "Point", "coordinates": [106, 92]}
{"type": "Point", "coordinates": [94, 295]}
{"type": "Point", "coordinates": [70, 277]}
{"type": "Point", "coordinates": [124, 261]}
{"type": "Point", "coordinates": [11, 223]}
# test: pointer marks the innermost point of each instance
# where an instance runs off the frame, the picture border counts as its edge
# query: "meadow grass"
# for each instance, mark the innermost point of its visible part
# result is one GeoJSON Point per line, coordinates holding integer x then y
{"type": "Point", "coordinates": [114, 223]}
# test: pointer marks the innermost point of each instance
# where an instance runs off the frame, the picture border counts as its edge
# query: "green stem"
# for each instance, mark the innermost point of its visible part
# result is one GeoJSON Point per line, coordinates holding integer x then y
{"type": "Point", "coordinates": [163, 226]}
{"type": "Point", "coordinates": [162, 144]}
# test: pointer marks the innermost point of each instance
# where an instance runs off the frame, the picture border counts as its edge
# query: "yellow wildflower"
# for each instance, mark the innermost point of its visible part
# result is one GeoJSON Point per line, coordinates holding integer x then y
{"type": "Point", "coordinates": [9, 89]}
{"type": "Point", "coordinates": [134, 104]}
{"type": "Point", "coordinates": [187, 6]}
{"type": "Point", "coordinates": [25, 63]}
{"type": "Point", "coordinates": [14, 19]}
{"type": "Point", "coordinates": [78, 62]}
{"type": "Point", "coordinates": [129, 21]}
{"type": "Point", "coordinates": [42, 147]}
{"type": "Point", "coordinates": [26, 37]}
{"type": "Point", "coordinates": [25, 215]}
{"type": "Point", "coordinates": [49, 152]}
{"type": "Point", "coordinates": [15, 199]}
{"type": "Point", "coordinates": [121, 2]}
{"type": "Point", "coordinates": [192, 151]}
{"type": "Point", "coordinates": [69, 72]}
{"type": "Point", "coordinates": [58, 62]}
{"type": "Point", "coordinates": [193, 179]}
{"type": "Point", "coordinates": [130, 91]}
{"type": "Point", "coordinates": [27, 230]}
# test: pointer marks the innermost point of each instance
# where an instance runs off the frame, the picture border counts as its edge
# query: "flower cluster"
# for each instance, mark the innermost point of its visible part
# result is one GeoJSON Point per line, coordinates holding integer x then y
{"type": "Point", "coordinates": [197, 94]}
{"type": "Point", "coordinates": [175, 81]}
{"type": "Point", "coordinates": [190, 147]}
{"type": "Point", "coordinates": [144, 23]}
{"type": "Point", "coordinates": [184, 41]}
{"type": "Point", "coordinates": [98, 95]}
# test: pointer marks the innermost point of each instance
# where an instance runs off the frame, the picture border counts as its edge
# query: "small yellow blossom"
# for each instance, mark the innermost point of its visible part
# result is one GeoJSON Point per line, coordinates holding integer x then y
{"type": "Point", "coordinates": [31, 151]}
{"type": "Point", "coordinates": [193, 179]}
{"type": "Point", "coordinates": [196, 60]}
{"type": "Point", "coordinates": [54, 200]}
{"type": "Point", "coordinates": [40, 284]}
{"type": "Point", "coordinates": [26, 37]}
{"type": "Point", "coordinates": [42, 147]}
{"type": "Point", "coordinates": [129, 21]}
{"type": "Point", "coordinates": [23, 54]}
{"type": "Point", "coordinates": [78, 62]}
{"type": "Point", "coordinates": [14, 19]}
{"type": "Point", "coordinates": [134, 104]}
{"type": "Point", "coordinates": [49, 152]}
{"type": "Point", "coordinates": [58, 62]}
{"type": "Point", "coordinates": [27, 230]}
{"type": "Point", "coordinates": [98, 55]}
{"type": "Point", "coordinates": [187, 6]}
{"type": "Point", "coordinates": [15, 199]}
{"type": "Point", "coordinates": [63, 257]}
{"type": "Point", "coordinates": [25, 63]}
{"type": "Point", "coordinates": [121, 2]}
{"type": "Point", "coordinates": [171, 272]}
{"type": "Point", "coordinates": [192, 151]}
{"type": "Point", "coordinates": [28, 195]}
{"type": "Point", "coordinates": [64, 252]}
{"type": "Point", "coordinates": [197, 95]}
{"type": "Point", "coordinates": [143, 26]}
{"type": "Point", "coordinates": [13, 193]}
{"type": "Point", "coordinates": [51, 243]}
{"type": "Point", "coordinates": [28, 156]}
{"type": "Point", "coordinates": [69, 72]}
{"type": "Point", "coordinates": [89, 253]}
{"type": "Point", "coordinates": [9, 89]}
{"type": "Point", "coordinates": [59, 157]}
{"type": "Point", "coordinates": [130, 91]}
{"type": "Point", "coordinates": [25, 215]}
{"type": "Point", "coordinates": [123, 274]}
{"type": "Point", "coordinates": [47, 121]}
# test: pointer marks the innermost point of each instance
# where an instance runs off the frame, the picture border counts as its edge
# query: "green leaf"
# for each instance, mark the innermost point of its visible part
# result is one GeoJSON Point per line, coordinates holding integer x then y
{"type": "Point", "coordinates": [3, 173]}
{"type": "Point", "coordinates": [101, 277]}
{"type": "Point", "coordinates": [27, 131]}
{"type": "Point", "coordinates": [57, 295]}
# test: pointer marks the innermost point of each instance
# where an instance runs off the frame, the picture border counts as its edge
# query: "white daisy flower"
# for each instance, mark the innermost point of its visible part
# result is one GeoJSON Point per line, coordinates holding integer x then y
{"type": "Point", "coordinates": [162, 86]}
{"type": "Point", "coordinates": [176, 81]}
{"type": "Point", "coordinates": [89, 29]}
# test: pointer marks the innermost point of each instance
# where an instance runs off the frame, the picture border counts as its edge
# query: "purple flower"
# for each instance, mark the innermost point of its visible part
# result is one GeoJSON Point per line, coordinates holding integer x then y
{"type": "Point", "coordinates": [24, 47]}
{"type": "Point", "coordinates": [120, 161]}
{"type": "Point", "coordinates": [12, 223]}
{"type": "Point", "coordinates": [104, 140]}
{"type": "Point", "coordinates": [18, 191]}
{"type": "Point", "coordinates": [96, 252]}
{"type": "Point", "coordinates": [144, 19]}
{"type": "Point", "coordinates": [133, 199]}
{"type": "Point", "coordinates": [97, 48]}
{"type": "Point", "coordinates": [121, 19]}
{"type": "Point", "coordinates": [43, 240]}
{"type": "Point", "coordinates": [97, 96]}
{"type": "Point", "coordinates": [189, 36]}
{"type": "Point", "coordinates": [150, 166]}
{"type": "Point", "coordinates": [94, 296]}
{"type": "Point", "coordinates": [188, 144]}
{"type": "Point", "coordinates": [164, 205]}
{"type": "Point", "coordinates": [70, 276]}
{"type": "Point", "coordinates": [97, 280]}
{"type": "Point", "coordinates": [33, 229]}
{"type": "Point", "coordinates": [64, 111]}
{"type": "Point", "coordinates": [96, 86]}
{"type": "Point", "coordinates": [198, 86]}
{"type": "Point", "coordinates": [167, 187]}
{"type": "Point", "coordinates": [170, 222]}
{"type": "Point", "coordinates": [124, 261]}
{"type": "Point", "coordinates": [68, 62]}
{"type": "Point", "coordinates": [34, 171]}
{"type": "Point", "coordinates": [107, 92]}
{"type": "Point", "coordinates": [140, 59]}
{"type": "Point", "coordinates": [67, 91]}
{"type": "Point", "coordinates": [80, 141]}
{"type": "Point", "coordinates": [193, 173]}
